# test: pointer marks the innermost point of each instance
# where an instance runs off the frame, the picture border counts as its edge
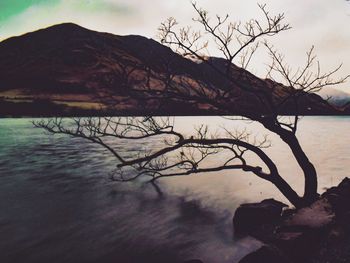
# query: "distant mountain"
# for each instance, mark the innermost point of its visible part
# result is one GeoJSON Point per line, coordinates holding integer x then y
{"type": "Point", "coordinates": [69, 70]}
{"type": "Point", "coordinates": [335, 97]}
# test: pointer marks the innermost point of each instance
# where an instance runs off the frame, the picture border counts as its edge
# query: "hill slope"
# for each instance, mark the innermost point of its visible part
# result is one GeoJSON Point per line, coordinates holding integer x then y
{"type": "Point", "coordinates": [69, 70]}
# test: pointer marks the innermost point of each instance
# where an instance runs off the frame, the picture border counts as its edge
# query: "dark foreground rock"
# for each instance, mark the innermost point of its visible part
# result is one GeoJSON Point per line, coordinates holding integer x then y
{"type": "Point", "coordinates": [319, 233]}
{"type": "Point", "coordinates": [257, 217]}
{"type": "Point", "coordinates": [266, 254]}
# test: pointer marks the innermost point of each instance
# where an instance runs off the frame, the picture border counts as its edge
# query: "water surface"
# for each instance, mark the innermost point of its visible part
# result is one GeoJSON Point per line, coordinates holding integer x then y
{"type": "Point", "coordinates": [57, 203]}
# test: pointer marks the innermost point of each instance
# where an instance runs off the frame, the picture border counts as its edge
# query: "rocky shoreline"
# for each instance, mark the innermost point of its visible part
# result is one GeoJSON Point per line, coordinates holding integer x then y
{"type": "Point", "coordinates": [319, 233]}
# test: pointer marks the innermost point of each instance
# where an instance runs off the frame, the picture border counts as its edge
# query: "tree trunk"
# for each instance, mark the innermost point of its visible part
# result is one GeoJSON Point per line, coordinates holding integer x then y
{"type": "Point", "coordinates": [309, 171]}
{"type": "Point", "coordinates": [310, 174]}
{"type": "Point", "coordinates": [287, 191]}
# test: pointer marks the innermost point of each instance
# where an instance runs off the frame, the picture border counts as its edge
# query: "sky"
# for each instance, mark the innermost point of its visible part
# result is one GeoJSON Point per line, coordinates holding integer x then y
{"type": "Point", "coordinates": [322, 23]}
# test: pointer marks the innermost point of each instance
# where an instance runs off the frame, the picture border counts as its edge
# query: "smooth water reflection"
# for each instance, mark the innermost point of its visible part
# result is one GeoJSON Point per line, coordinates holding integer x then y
{"type": "Point", "coordinates": [57, 203]}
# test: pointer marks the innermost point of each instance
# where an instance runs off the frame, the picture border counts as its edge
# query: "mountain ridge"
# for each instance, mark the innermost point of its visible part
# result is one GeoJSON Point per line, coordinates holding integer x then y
{"type": "Point", "coordinates": [82, 72]}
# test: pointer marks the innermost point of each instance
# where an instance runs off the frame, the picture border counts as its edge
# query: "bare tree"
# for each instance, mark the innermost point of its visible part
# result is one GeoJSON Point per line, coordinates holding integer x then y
{"type": "Point", "coordinates": [176, 154]}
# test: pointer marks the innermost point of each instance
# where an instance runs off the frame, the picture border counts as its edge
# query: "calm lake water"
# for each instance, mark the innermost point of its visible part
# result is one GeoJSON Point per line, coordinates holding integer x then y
{"type": "Point", "coordinates": [57, 203]}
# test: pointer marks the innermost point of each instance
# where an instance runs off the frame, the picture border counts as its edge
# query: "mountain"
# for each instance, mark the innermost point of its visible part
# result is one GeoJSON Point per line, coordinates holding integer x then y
{"type": "Point", "coordinates": [69, 70]}
{"type": "Point", "coordinates": [335, 97]}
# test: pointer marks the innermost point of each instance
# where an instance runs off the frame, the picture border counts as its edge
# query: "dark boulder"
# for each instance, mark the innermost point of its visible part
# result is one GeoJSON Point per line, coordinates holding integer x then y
{"type": "Point", "coordinates": [250, 218]}
{"type": "Point", "coordinates": [194, 261]}
{"type": "Point", "coordinates": [266, 254]}
{"type": "Point", "coordinates": [339, 198]}
{"type": "Point", "coordinates": [318, 233]}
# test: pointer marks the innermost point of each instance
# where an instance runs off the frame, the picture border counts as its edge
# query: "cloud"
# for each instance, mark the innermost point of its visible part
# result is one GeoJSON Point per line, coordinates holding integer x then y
{"type": "Point", "coordinates": [12, 7]}
{"type": "Point", "coordinates": [101, 15]}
